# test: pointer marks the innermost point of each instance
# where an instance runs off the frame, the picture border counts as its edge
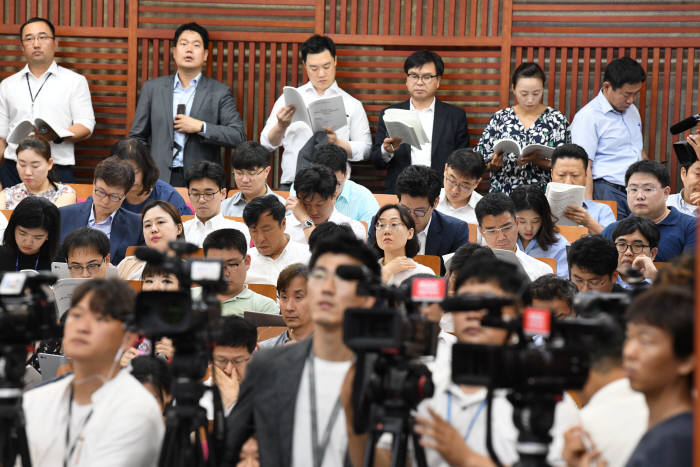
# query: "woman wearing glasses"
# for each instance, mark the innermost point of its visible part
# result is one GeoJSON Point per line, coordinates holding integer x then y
{"type": "Point", "coordinates": [396, 243]}
{"type": "Point", "coordinates": [529, 121]}
{"type": "Point", "coordinates": [31, 237]}
{"type": "Point", "coordinates": [161, 224]}
{"type": "Point", "coordinates": [34, 165]}
{"type": "Point", "coordinates": [147, 186]}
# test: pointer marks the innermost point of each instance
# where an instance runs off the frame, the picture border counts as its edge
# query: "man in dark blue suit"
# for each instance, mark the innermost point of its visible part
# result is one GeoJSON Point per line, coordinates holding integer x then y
{"type": "Point", "coordinates": [418, 188]}
{"type": "Point", "coordinates": [445, 125]}
{"type": "Point", "coordinates": [102, 211]}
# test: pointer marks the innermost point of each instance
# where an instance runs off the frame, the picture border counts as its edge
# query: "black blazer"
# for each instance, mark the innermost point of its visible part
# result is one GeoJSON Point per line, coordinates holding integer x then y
{"type": "Point", "coordinates": [449, 133]}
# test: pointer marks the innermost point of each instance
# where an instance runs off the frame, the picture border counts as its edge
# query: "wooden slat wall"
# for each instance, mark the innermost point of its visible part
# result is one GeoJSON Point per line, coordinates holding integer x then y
{"type": "Point", "coordinates": [118, 44]}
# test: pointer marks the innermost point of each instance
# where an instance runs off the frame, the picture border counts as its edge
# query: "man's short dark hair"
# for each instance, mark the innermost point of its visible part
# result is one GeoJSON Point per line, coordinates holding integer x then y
{"type": "Point", "coordinates": [623, 71]}
{"type": "Point", "coordinates": [419, 181]}
{"type": "Point", "coordinates": [344, 243]}
{"type": "Point", "coordinates": [250, 155]}
{"type": "Point", "coordinates": [111, 297]}
{"type": "Point", "coordinates": [259, 206]}
{"type": "Point", "coordinates": [553, 287]}
{"type": "Point", "coordinates": [594, 254]}
{"type": "Point", "coordinates": [494, 204]}
{"type": "Point", "coordinates": [235, 331]}
{"type": "Point", "coordinates": [315, 180]}
{"type": "Point", "coordinates": [467, 162]}
{"type": "Point", "coordinates": [226, 239]}
{"type": "Point", "coordinates": [206, 169]}
{"type": "Point", "coordinates": [507, 275]}
{"type": "Point", "coordinates": [466, 253]}
{"type": "Point", "coordinates": [85, 237]}
{"type": "Point", "coordinates": [316, 44]}
{"type": "Point", "coordinates": [288, 274]}
{"type": "Point", "coordinates": [325, 230]}
{"type": "Point", "coordinates": [135, 150]}
{"type": "Point", "coordinates": [194, 27]}
{"type": "Point", "coordinates": [632, 224]}
{"type": "Point", "coordinates": [657, 169]}
{"type": "Point", "coordinates": [420, 57]}
{"type": "Point", "coordinates": [37, 19]}
{"type": "Point", "coordinates": [115, 172]}
{"type": "Point", "coordinates": [570, 151]}
{"type": "Point", "coordinates": [332, 156]}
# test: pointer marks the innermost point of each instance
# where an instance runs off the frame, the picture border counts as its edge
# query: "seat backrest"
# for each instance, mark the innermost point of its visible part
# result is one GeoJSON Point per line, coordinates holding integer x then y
{"type": "Point", "coordinates": [550, 261]}
{"type": "Point", "coordinates": [82, 190]}
{"type": "Point", "coordinates": [136, 285]}
{"type": "Point", "coordinates": [268, 332]}
{"type": "Point", "coordinates": [386, 199]}
{"type": "Point", "coordinates": [432, 261]}
{"type": "Point", "coordinates": [572, 232]}
{"type": "Point", "coordinates": [7, 213]}
{"type": "Point", "coordinates": [267, 290]}
{"type": "Point", "coordinates": [473, 230]}
{"type": "Point", "coordinates": [612, 204]}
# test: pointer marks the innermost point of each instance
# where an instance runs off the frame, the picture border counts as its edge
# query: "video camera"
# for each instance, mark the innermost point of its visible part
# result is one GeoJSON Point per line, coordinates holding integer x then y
{"type": "Point", "coordinates": [27, 308]}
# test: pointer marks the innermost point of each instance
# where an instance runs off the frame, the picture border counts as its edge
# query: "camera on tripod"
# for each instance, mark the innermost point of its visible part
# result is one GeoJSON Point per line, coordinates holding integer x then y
{"type": "Point", "coordinates": [27, 308]}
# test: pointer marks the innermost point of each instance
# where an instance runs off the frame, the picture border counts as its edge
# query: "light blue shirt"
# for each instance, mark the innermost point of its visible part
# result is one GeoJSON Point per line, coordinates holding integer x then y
{"type": "Point", "coordinates": [182, 96]}
{"type": "Point", "coordinates": [355, 201]}
{"type": "Point", "coordinates": [677, 201]}
{"type": "Point", "coordinates": [600, 212]}
{"type": "Point", "coordinates": [612, 140]}
{"type": "Point", "coordinates": [556, 251]}
{"type": "Point", "coordinates": [105, 226]}
{"type": "Point", "coordinates": [235, 205]}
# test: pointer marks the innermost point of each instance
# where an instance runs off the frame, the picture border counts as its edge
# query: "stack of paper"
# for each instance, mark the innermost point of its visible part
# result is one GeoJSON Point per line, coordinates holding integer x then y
{"type": "Point", "coordinates": [405, 124]}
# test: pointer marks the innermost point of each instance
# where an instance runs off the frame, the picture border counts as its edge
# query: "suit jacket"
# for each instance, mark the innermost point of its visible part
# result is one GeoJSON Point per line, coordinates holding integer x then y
{"type": "Point", "coordinates": [266, 405]}
{"type": "Point", "coordinates": [126, 227]}
{"type": "Point", "coordinates": [213, 104]}
{"type": "Point", "coordinates": [449, 133]}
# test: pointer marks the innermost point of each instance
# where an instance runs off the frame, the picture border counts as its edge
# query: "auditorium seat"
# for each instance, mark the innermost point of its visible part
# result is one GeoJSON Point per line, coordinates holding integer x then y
{"type": "Point", "coordinates": [386, 199]}
{"type": "Point", "coordinates": [268, 332]}
{"type": "Point", "coordinates": [82, 190]}
{"type": "Point", "coordinates": [7, 213]}
{"type": "Point", "coordinates": [473, 230]}
{"type": "Point", "coordinates": [612, 204]}
{"type": "Point", "coordinates": [432, 261]}
{"type": "Point", "coordinates": [572, 232]}
{"type": "Point", "coordinates": [550, 261]}
{"type": "Point", "coordinates": [267, 290]}
{"type": "Point", "coordinates": [136, 285]}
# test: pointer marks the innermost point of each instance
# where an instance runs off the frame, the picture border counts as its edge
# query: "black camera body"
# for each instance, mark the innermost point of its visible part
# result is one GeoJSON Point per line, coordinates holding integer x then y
{"type": "Point", "coordinates": [27, 308]}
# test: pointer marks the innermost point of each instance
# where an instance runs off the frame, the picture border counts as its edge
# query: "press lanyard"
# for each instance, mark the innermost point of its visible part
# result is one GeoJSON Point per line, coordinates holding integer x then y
{"type": "Point", "coordinates": [70, 449]}
{"type": "Point", "coordinates": [472, 422]}
{"type": "Point", "coordinates": [319, 450]}
{"type": "Point", "coordinates": [36, 264]}
{"type": "Point", "coordinates": [34, 96]}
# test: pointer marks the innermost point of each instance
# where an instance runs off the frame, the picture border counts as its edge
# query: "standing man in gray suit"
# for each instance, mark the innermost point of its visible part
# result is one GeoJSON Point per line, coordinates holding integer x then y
{"type": "Point", "coordinates": [187, 116]}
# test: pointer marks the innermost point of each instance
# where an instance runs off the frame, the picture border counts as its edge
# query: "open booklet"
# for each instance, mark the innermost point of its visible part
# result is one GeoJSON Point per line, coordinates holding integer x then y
{"type": "Point", "coordinates": [40, 127]}
{"type": "Point", "coordinates": [405, 124]}
{"type": "Point", "coordinates": [561, 195]}
{"type": "Point", "coordinates": [325, 112]}
{"type": "Point", "coordinates": [508, 145]}
{"type": "Point", "coordinates": [63, 292]}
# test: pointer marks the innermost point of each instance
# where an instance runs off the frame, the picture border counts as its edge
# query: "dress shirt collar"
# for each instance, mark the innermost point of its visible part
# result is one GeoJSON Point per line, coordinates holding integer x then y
{"type": "Point", "coordinates": [427, 227]}
{"type": "Point", "coordinates": [210, 223]}
{"type": "Point", "coordinates": [53, 69]}
{"type": "Point", "coordinates": [104, 222]}
{"type": "Point", "coordinates": [238, 197]}
{"type": "Point", "coordinates": [604, 104]}
{"type": "Point", "coordinates": [193, 84]}
{"type": "Point", "coordinates": [332, 90]}
{"type": "Point", "coordinates": [431, 107]}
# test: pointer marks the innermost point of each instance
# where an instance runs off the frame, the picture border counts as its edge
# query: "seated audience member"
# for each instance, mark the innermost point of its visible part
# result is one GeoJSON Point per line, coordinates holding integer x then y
{"type": "Point", "coordinates": [647, 190]}
{"type": "Point", "coordinates": [154, 374]}
{"type": "Point", "coordinates": [30, 240]}
{"type": "Point", "coordinates": [231, 247]}
{"type": "Point", "coordinates": [659, 359]}
{"type": "Point", "coordinates": [688, 200]}
{"type": "Point", "coordinates": [636, 240]}
{"type": "Point", "coordinates": [613, 417]}
{"type": "Point", "coordinates": [315, 204]}
{"type": "Point", "coordinates": [352, 199]}
{"type": "Point", "coordinates": [462, 255]}
{"type": "Point", "coordinates": [593, 265]}
{"type": "Point", "coordinates": [556, 293]}
{"type": "Point", "coordinates": [108, 417]}
{"type": "Point", "coordinates": [206, 183]}
{"type": "Point", "coordinates": [291, 296]}
{"type": "Point", "coordinates": [154, 277]}
{"type": "Point", "coordinates": [395, 243]}
{"type": "Point", "coordinates": [161, 224]}
{"type": "Point", "coordinates": [418, 189]}
{"type": "Point", "coordinates": [86, 252]}
{"type": "Point", "coordinates": [147, 186]}
{"type": "Point", "coordinates": [251, 166]}
{"type": "Point", "coordinates": [498, 225]}
{"type": "Point", "coordinates": [463, 172]}
{"type": "Point", "coordinates": [538, 236]}
{"type": "Point", "coordinates": [274, 249]}
{"type": "Point", "coordinates": [34, 164]}
{"type": "Point", "coordinates": [104, 212]}
{"type": "Point", "coordinates": [326, 230]}
{"type": "Point", "coordinates": [569, 166]}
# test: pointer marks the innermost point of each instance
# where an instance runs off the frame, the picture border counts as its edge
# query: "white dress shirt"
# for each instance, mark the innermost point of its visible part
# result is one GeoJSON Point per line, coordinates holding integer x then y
{"type": "Point", "coordinates": [265, 270]}
{"type": "Point", "coordinates": [423, 156]}
{"type": "Point", "coordinates": [465, 213]}
{"type": "Point", "coordinates": [61, 98]}
{"type": "Point", "coordinates": [423, 237]}
{"type": "Point", "coordinates": [296, 230]}
{"type": "Point", "coordinates": [356, 132]}
{"type": "Point", "coordinates": [534, 268]}
{"type": "Point", "coordinates": [196, 230]}
{"type": "Point", "coordinates": [676, 201]}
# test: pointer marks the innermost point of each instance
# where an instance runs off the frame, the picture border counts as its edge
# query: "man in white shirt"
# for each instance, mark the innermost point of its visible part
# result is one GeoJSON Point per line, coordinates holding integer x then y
{"type": "Point", "coordinates": [315, 204]}
{"type": "Point", "coordinates": [206, 183]}
{"type": "Point", "coordinates": [318, 57]}
{"type": "Point", "coordinates": [274, 249]}
{"type": "Point", "coordinates": [44, 90]}
{"type": "Point", "coordinates": [688, 199]}
{"type": "Point", "coordinates": [463, 172]}
{"type": "Point", "coordinates": [498, 226]}
{"type": "Point", "coordinates": [97, 415]}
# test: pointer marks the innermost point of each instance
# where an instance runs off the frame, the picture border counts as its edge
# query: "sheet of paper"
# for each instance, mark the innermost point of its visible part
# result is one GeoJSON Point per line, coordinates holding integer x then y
{"type": "Point", "coordinates": [328, 112]}
{"type": "Point", "coordinates": [21, 131]}
{"type": "Point", "coordinates": [543, 152]}
{"type": "Point", "coordinates": [293, 97]}
{"type": "Point", "coordinates": [405, 124]}
{"type": "Point", "coordinates": [561, 195]}
{"type": "Point", "coordinates": [63, 292]}
{"type": "Point", "coordinates": [507, 146]}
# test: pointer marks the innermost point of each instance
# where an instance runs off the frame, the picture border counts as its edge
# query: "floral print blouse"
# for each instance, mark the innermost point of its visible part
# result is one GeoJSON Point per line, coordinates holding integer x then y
{"type": "Point", "coordinates": [15, 194]}
{"type": "Point", "coordinates": [550, 129]}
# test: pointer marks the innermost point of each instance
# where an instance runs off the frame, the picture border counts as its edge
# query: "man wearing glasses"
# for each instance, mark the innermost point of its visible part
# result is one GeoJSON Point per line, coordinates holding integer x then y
{"type": "Point", "coordinates": [86, 251]}
{"type": "Point", "coordinates": [44, 90]}
{"type": "Point", "coordinates": [445, 125]}
{"type": "Point", "coordinates": [463, 172]}
{"type": "Point", "coordinates": [648, 186]}
{"type": "Point", "coordinates": [593, 265]}
{"type": "Point", "coordinates": [103, 210]}
{"type": "Point", "coordinates": [206, 189]}
{"type": "Point", "coordinates": [636, 240]}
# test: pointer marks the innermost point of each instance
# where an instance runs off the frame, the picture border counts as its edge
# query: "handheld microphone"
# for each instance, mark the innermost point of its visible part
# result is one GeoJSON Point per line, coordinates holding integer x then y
{"type": "Point", "coordinates": [150, 255]}
{"type": "Point", "coordinates": [685, 124]}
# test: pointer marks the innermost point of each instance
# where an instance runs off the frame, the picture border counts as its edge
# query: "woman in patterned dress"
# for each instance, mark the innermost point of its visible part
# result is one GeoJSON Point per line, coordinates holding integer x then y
{"type": "Point", "coordinates": [529, 121]}
{"type": "Point", "coordinates": [34, 164]}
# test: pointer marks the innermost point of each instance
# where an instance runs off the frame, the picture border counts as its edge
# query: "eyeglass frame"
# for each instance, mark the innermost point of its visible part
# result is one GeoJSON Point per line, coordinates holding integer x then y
{"type": "Point", "coordinates": [115, 198]}
{"type": "Point", "coordinates": [80, 268]}
{"type": "Point", "coordinates": [427, 78]}
{"type": "Point", "coordinates": [206, 196]}
{"type": "Point", "coordinates": [39, 37]}
{"type": "Point", "coordinates": [591, 283]}
{"type": "Point", "coordinates": [236, 362]}
{"type": "Point", "coordinates": [417, 212]}
{"type": "Point", "coordinates": [647, 191]}
{"type": "Point", "coordinates": [460, 186]}
{"type": "Point", "coordinates": [631, 247]}
{"type": "Point", "coordinates": [497, 230]}
{"type": "Point", "coordinates": [247, 173]}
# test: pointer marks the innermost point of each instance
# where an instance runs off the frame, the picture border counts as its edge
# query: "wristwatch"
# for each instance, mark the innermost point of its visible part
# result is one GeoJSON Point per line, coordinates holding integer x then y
{"type": "Point", "coordinates": [308, 223]}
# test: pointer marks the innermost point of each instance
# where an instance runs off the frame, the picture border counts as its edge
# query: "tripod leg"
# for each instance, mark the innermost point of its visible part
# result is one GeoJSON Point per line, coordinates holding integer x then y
{"type": "Point", "coordinates": [399, 449]}
{"type": "Point", "coordinates": [371, 445]}
{"type": "Point", "coordinates": [417, 448]}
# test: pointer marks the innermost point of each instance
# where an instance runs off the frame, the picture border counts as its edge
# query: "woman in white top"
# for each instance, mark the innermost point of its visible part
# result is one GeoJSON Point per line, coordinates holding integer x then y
{"type": "Point", "coordinates": [161, 224]}
{"type": "Point", "coordinates": [396, 243]}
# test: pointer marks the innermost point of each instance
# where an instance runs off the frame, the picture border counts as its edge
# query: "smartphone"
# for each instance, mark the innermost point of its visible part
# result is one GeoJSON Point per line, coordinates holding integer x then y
{"type": "Point", "coordinates": [181, 109]}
